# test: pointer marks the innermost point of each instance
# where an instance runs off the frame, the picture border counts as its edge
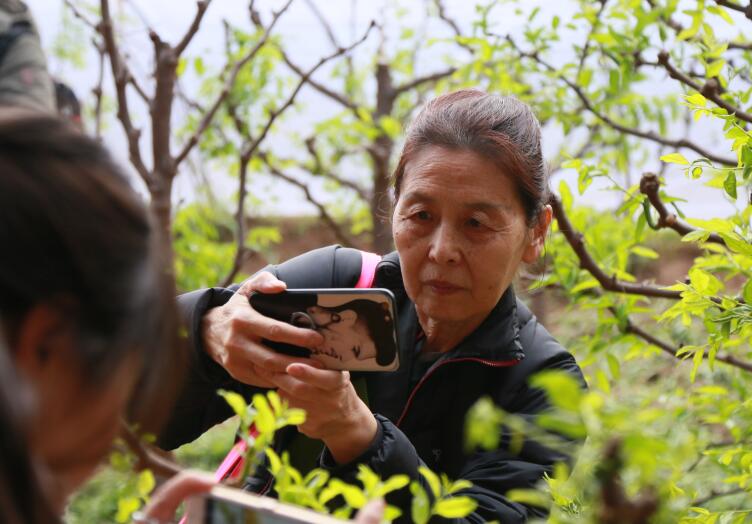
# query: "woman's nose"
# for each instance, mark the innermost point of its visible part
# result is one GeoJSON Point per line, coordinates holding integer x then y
{"type": "Point", "coordinates": [445, 246]}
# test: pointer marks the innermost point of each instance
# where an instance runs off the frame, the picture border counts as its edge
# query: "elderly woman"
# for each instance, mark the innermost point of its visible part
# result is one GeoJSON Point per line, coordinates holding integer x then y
{"type": "Point", "coordinates": [470, 207]}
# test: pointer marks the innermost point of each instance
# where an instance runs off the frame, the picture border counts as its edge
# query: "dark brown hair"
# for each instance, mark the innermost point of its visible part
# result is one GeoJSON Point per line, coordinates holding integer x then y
{"type": "Point", "coordinates": [74, 234]}
{"type": "Point", "coordinates": [501, 128]}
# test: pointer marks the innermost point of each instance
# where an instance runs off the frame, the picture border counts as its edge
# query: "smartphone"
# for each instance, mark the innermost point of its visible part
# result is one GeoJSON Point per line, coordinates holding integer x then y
{"type": "Point", "coordinates": [223, 505]}
{"type": "Point", "coordinates": [359, 326]}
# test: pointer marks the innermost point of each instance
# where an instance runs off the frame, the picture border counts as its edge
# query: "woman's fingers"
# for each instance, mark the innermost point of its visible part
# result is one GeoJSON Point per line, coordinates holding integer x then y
{"type": "Point", "coordinates": [263, 282]}
{"type": "Point", "coordinates": [166, 499]}
{"type": "Point", "coordinates": [326, 379]}
{"type": "Point", "coordinates": [277, 331]}
{"type": "Point", "coordinates": [371, 513]}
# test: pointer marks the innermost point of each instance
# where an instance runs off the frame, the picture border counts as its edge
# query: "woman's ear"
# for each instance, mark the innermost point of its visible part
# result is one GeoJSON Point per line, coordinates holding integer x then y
{"type": "Point", "coordinates": [348, 317]}
{"type": "Point", "coordinates": [44, 332]}
{"type": "Point", "coordinates": [537, 236]}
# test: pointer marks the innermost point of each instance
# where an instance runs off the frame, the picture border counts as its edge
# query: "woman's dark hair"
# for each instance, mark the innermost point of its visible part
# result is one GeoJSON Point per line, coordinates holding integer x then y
{"type": "Point", "coordinates": [379, 322]}
{"type": "Point", "coordinates": [75, 235]}
{"type": "Point", "coordinates": [500, 128]}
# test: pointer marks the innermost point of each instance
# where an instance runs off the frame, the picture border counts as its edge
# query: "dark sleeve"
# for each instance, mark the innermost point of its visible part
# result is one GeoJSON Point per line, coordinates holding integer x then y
{"type": "Point", "coordinates": [492, 473]}
{"type": "Point", "coordinates": [198, 406]}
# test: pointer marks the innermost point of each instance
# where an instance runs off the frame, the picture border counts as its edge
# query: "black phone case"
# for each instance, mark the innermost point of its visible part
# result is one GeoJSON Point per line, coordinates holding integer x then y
{"type": "Point", "coordinates": [358, 325]}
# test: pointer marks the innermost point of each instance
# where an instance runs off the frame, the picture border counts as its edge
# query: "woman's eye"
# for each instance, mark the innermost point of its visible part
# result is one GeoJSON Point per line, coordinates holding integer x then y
{"type": "Point", "coordinates": [474, 223]}
{"type": "Point", "coordinates": [422, 215]}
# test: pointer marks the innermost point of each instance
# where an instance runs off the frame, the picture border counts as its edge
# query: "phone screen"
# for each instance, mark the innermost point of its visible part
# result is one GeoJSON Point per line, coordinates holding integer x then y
{"type": "Point", "coordinates": [358, 326]}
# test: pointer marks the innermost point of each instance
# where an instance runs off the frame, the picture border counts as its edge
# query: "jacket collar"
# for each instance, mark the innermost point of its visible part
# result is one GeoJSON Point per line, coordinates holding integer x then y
{"type": "Point", "coordinates": [498, 336]}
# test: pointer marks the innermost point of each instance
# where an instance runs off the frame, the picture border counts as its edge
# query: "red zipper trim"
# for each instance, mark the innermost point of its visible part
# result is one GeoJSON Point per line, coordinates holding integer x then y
{"type": "Point", "coordinates": [492, 363]}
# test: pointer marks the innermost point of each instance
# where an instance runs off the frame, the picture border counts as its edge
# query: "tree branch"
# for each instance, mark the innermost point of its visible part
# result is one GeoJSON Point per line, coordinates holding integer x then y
{"type": "Point", "coordinates": [229, 82]}
{"type": "Point", "coordinates": [709, 90]}
{"type": "Point", "coordinates": [240, 251]}
{"type": "Point", "coordinates": [417, 82]}
{"type": "Point", "coordinates": [120, 75]}
{"type": "Point", "coordinates": [323, 213]}
{"type": "Point", "coordinates": [148, 458]}
{"type": "Point", "coordinates": [650, 187]}
{"type": "Point", "coordinates": [201, 7]}
{"type": "Point", "coordinates": [647, 135]}
{"type": "Point", "coordinates": [577, 242]}
{"type": "Point", "coordinates": [97, 90]}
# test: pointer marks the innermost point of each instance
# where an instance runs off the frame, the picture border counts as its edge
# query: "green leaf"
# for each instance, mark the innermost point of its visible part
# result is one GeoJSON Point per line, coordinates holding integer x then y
{"type": "Point", "coordinates": [394, 483]}
{"type": "Point", "coordinates": [736, 243]}
{"type": "Point", "coordinates": [715, 225]}
{"type": "Point", "coordinates": [126, 507]}
{"type": "Point", "coordinates": [729, 185]}
{"type": "Point", "coordinates": [432, 480]}
{"type": "Point", "coordinates": [700, 235]}
{"type": "Point", "coordinates": [644, 252]}
{"type": "Point", "coordinates": [696, 361]}
{"type": "Point", "coordinates": [697, 99]}
{"type": "Point", "coordinates": [455, 507]}
{"type": "Point", "coordinates": [265, 420]}
{"type": "Point", "coordinates": [566, 195]}
{"type": "Point", "coordinates": [236, 402]}
{"type": "Point", "coordinates": [145, 483]}
{"type": "Point", "coordinates": [747, 292]}
{"type": "Point", "coordinates": [675, 158]}
{"type": "Point", "coordinates": [420, 510]}
{"type": "Point", "coordinates": [563, 390]}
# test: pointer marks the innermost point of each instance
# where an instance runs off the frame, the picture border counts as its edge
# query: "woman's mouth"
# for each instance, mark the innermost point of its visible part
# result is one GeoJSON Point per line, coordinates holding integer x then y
{"type": "Point", "coordinates": [442, 287]}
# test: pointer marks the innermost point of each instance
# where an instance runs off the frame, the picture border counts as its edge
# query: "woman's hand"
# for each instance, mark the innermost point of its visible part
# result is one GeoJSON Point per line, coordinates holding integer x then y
{"type": "Point", "coordinates": [232, 335]}
{"type": "Point", "coordinates": [334, 412]}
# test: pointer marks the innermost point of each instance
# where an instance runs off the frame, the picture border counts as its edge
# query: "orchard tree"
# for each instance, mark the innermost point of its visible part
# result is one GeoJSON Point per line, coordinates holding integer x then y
{"type": "Point", "coordinates": [645, 91]}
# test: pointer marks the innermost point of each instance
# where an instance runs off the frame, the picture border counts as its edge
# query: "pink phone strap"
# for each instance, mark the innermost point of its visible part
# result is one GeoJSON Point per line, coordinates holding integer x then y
{"type": "Point", "coordinates": [233, 462]}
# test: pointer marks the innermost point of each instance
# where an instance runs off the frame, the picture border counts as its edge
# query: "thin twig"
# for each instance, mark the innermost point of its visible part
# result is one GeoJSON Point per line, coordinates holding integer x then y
{"type": "Point", "coordinates": [429, 78]}
{"type": "Point", "coordinates": [201, 7]}
{"type": "Point", "coordinates": [78, 14]}
{"type": "Point", "coordinates": [229, 82]}
{"type": "Point", "coordinates": [714, 494]}
{"type": "Point", "coordinates": [241, 251]}
{"type": "Point", "coordinates": [453, 25]}
{"type": "Point", "coordinates": [650, 186]}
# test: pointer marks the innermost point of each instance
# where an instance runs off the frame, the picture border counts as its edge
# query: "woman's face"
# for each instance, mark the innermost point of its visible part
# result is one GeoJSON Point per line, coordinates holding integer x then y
{"type": "Point", "coordinates": [460, 231]}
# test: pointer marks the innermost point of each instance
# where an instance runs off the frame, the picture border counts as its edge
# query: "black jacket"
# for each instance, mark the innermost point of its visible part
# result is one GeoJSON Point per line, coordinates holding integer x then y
{"type": "Point", "coordinates": [422, 426]}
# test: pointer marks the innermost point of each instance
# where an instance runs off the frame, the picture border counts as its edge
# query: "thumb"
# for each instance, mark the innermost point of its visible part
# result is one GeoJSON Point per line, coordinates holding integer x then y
{"type": "Point", "coordinates": [263, 282]}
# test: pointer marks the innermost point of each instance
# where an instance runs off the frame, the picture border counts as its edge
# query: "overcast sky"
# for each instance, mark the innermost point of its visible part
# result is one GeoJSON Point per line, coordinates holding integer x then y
{"type": "Point", "coordinates": [307, 43]}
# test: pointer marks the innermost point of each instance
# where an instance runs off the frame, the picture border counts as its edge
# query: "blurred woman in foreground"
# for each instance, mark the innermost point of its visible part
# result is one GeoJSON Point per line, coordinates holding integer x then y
{"type": "Point", "coordinates": [86, 322]}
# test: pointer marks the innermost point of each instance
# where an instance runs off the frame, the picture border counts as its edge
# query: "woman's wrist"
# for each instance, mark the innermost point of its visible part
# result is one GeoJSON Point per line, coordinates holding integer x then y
{"type": "Point", "coordinates": [353, 438]}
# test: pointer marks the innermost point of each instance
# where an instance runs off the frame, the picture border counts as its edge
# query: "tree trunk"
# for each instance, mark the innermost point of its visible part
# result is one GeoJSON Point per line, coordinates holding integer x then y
{"type": "Point", "coordinates": [381, 155]}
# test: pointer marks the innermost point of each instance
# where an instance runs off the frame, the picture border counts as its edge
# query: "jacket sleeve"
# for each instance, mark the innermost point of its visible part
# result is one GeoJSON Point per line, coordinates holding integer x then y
{"type": "Point", "coordinates": [492, 473]}
{"type": "Point", "coordinates": [198, 406]}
